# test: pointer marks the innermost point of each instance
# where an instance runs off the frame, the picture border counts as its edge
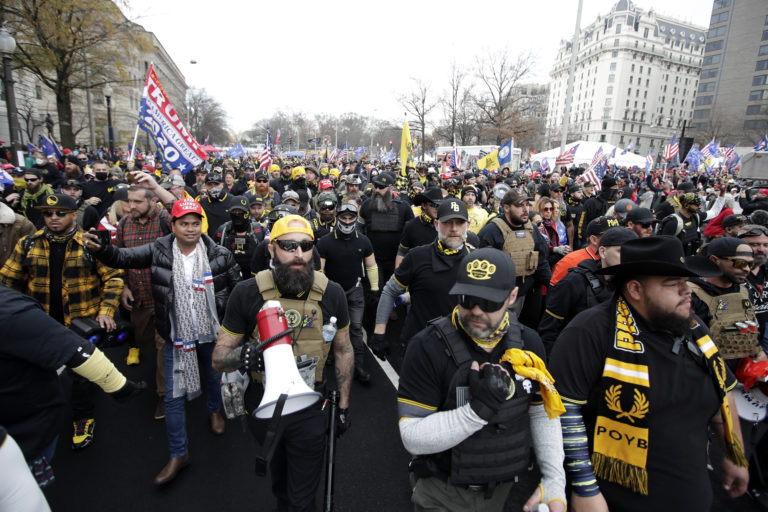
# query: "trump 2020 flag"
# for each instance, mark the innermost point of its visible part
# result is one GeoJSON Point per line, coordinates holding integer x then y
{"type": "Point", "coordinates": [48, 147]}
{"type": "Point", "coordinates": [177, 147]}
{"type": "Point", "coordinates": [237, 151]}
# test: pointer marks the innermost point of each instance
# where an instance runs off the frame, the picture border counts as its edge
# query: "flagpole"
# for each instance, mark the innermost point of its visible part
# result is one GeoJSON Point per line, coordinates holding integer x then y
{"type": "Point", "coordinates": [571, 76]}
{"type": "Point", "coordinates": [133, 146]}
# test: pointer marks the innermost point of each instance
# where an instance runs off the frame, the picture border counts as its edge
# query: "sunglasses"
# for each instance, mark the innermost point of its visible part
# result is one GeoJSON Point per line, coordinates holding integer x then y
{"type": "Point", "coordinates": [379, 187]}
{"type": "Point", "coordinates": [262, 181]}
{"type": "Point", "coordinates": [547, 209]}
{"type": "Point", "coordinates": [469, 302]}
{"type": "Point", "coordinates": [646, 225]}
{"type": "Point", "coordinates": [754, 232]}
{"type": "Point", "coordinates": [434, 205]}
{"type": "Point", "coordinates": [740, 264]}
{"type": "Point", "coordinates": [327, 206]}
{"type": "Point", "coordinates": [31, 180]}
{"type": "Point", "coordinates": [292, 245]}
{"type": "Point", "coordinates": [58, 213]}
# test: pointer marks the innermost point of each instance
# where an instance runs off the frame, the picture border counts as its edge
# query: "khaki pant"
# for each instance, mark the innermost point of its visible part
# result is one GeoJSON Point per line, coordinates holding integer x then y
{"type": "Point", "coordinates": [143, 320]}
{"type": "Point", "coordinates": [433, 495]}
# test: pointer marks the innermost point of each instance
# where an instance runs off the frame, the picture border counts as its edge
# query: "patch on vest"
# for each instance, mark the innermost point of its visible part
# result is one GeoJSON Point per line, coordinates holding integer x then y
{"type": "Point", "coordinates": [293, 318]}
{"type": "Point", "coordinates": [722, 305]}
{"type": "Point", "coordinates": [520, 234]}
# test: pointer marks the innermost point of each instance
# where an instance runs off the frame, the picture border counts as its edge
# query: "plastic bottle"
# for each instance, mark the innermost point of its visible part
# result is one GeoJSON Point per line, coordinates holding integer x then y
{"type": "Point", "coordinates": [329, 330]}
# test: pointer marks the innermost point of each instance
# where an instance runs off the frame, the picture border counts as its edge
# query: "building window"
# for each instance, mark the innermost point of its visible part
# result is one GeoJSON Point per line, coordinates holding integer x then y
{"type": "Point", "coordinates": [709, 60]}
{"type": "Point", "coordinates": [618, 28]}
{"type": "Point", "coordinates": [616, 42]}
{"type": "Point", "coordinates": [718, 18]}
{"type": "Point", "coordinates": [754, 109]}
{"type": "Point", "coordinates": [606, 113]}
{"type": "Point", "coordinates": [760, 80]}
{"type": "Point", "coordinates": [713, 46]}
{"type": "Point", "coordinates": [608, 102]}
{"type": "Point", "coordinates": [761, 65]}
{"type": "Point", "coordinates": [704, 100]}
{"type": "Point", "coordinates": [38, 92]}
{"type": "Point", "coordinates": [709, 73]}
{"type": "Point", "coordinates": [613, 66]}
{"type": "Point", "coordinates": [765, 35]}
{"type": "Point", "coordinates": [615, 53]}
{"type": "Point", "coordinates": [605, 126]}
{"type": "Point", "coordinates": [716, 32]}
{"type": "Point", "coordinates": [756, 124]}
{"type": "Point", "coordinates": [609, 90]}
{"type": "Point", "coordinates": [621, 140]}
{"type": "Point", "coordinates": [602, 138]}
{"type": "Point", "coordinates": [721, 4]}
{"type": "Point", "coordinates": [611, 78]}
{"type": "Point", "coordinates": [645, 33]}
{"type": "Point", "coordinates": [758, 95]}
{"type": "Point", "coordinates": [763, 50]}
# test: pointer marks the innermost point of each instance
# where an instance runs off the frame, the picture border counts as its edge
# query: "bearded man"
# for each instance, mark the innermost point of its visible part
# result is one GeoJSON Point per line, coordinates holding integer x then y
{"type": "Point", "coordinates": [261, 187]}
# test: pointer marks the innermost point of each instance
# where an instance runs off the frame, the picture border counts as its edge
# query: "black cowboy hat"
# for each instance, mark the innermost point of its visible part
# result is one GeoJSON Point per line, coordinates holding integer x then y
{"type": "Point", "coordinates": [430, 195]}
{"type": "Point", "coordinates": [660, 255]}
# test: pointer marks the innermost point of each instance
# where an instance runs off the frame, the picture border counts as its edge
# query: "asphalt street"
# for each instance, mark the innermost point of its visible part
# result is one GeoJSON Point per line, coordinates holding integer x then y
{"type": "Point", "coordinates": [130, 448]}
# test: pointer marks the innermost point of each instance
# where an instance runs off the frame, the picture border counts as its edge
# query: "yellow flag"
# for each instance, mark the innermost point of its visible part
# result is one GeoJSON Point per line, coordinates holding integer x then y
{"type": "Point", "coordinates": [490, 161]}
{"type": "Point", "coordinates": [405, 148]}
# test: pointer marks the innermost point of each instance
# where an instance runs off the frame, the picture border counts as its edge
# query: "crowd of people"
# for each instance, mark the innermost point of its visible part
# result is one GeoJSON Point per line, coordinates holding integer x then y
{"type": "Point", "coordinates": [609, 331]}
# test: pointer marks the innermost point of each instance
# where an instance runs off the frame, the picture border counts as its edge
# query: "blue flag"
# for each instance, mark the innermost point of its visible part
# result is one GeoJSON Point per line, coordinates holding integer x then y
{"type": "Point", "coordinates": [48, 147]}
{"type": "Point", "coordinates": [628, 148]}
{"type": "Point", "coordinates": [694, 157]}
{"type": "Point", "coordinates": [237, 151]}
{"type": "Point", "coordinates": [762, 145]}
{"type": "Point", "coordinates": [31, 148]}
{"type": "Point", "coordinates": [505, 153]}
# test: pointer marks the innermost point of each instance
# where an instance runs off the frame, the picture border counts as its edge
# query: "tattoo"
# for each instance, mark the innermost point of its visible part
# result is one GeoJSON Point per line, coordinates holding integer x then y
{"type": "Point", "coordinates": [345, 363]}
{"type": "Point", "coordinates": [226, 354]}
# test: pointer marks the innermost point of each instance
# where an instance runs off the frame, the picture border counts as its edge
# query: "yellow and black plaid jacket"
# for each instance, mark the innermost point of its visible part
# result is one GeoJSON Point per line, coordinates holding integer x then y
{"type": "Point", "coordinates": [89, 288]}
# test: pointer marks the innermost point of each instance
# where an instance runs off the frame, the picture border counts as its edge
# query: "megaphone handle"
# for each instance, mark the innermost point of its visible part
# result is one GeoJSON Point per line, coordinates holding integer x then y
{"type": "Point", "coordinates": [271, 438]}
{"type": "Point", "coordinates": [261, 346]}
{"type": "Point", "coordinates": [330, 469]}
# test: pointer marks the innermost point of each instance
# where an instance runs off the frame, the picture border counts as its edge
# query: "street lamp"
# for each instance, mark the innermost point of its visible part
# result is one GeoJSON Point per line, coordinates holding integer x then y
{"type": "Point", "coordinates": [7, 47]}
{"type": "Point", "coordinates": [108, 95]}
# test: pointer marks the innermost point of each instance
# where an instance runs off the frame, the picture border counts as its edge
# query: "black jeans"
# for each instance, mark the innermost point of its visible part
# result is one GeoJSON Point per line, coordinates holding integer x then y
{"type": "Point", "coordinates": [83, 392]}
{"type": "Point", "coordinates": [297, 465]}
{"type": "Point", "coordinates": [356, 306]}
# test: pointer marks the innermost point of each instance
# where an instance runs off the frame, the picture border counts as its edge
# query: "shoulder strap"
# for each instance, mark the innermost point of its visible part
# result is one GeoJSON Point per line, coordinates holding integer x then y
{"type": "Point", "coordinates": [266, 284]}
{"type": "Point", "coordinates": [319, 284]}
{"type": "Point", "coordinates": [514, 337]}
{"type": "Point", "coordinates": [590, 276]}
{"type": "Point", "coordinates": [455, 346]}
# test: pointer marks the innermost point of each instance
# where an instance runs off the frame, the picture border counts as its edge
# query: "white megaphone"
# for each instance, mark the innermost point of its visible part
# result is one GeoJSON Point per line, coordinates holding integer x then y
{"type": "Point", "coordinates": [281, 374]}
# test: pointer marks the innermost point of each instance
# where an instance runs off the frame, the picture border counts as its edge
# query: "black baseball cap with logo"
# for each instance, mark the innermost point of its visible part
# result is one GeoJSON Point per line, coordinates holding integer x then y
{"type": "Point", "coordinates": [384, 178]}
{"type": "Point", "coordinates": [73, 183]}
{"type": "Point", "coordinates": [486, 273]}
{"type": "Point", "coordinates": [452, 208]}
{"type": "Point", "coordinates": [57, 202]}
{"type": "Point", "coordinates": [240, 202]}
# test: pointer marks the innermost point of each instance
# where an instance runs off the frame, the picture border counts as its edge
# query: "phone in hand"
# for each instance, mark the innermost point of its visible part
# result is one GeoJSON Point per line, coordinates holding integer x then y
{"type": "Point", "coordinates": [105, 237]}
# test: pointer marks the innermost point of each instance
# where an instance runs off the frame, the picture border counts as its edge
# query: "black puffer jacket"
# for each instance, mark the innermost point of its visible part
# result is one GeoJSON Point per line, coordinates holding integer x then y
{"type": "Point", "coordinates": [158, 257]}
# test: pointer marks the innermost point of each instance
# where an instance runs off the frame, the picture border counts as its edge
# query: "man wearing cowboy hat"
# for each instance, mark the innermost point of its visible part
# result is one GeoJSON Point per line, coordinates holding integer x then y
{"type": "Point", "coordinates": [648, 379]}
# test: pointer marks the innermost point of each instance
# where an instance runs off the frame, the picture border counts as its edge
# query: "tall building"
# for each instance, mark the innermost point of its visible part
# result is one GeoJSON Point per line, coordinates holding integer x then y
{"type": "Point", "coordinates": [732, 99]}
{"type": "Point", "coordinates": [36, 104]}
{"type": "Point", "coordinates": [636, 77]}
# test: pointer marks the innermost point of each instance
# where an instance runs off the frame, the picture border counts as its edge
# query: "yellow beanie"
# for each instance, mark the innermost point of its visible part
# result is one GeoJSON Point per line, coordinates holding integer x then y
{"type": "Point", "coordinates": [296, 171]}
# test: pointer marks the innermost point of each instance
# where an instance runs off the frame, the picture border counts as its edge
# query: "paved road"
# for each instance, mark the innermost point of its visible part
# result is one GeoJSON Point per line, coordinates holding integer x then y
{"type": "Point", "coordinates": [116, 473]}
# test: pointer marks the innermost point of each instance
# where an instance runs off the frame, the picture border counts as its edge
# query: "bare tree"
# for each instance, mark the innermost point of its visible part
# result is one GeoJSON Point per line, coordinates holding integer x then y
{"type": "Point", "coordinates": [206, 117]}
{"type": "Point", "coordinates": [417, 103]}
{"type": "Point", "coordinates": [454, 98]}
{"type": "Point", "coordinates": [500, 73]}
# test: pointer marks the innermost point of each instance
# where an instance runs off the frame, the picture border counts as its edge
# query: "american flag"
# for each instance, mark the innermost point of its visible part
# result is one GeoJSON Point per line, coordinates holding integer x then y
{"type": "Point", "coordinates": [590, 176]}
{"type": "Point", "coordinates": [567, 157]}
{"type": "Point", "coordinates": [596, 159]}
{"type": "Point", "coordinates": [343, 153]}
{"type": "Point", "coordinates": [333, 156]}
{"type": "Point", "coordinates": [727, 151]}
{"type": "Point", "coordinates": [265, 158]}
{"type": "Point", "coordinates": [455, 157]}
{"type": "Point", "coordinates": [672, 149]}
{"type": "Point", "coordinates": [710, 149]}
{"type": "Point", "coordinates": [628, 148]}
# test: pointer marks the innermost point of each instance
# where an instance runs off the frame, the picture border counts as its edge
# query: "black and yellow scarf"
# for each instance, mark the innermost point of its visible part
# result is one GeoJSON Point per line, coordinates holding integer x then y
{"type": "Point", "coordinates": [488, 342]}
{"type": "Point", "coordinates": [621, 432]}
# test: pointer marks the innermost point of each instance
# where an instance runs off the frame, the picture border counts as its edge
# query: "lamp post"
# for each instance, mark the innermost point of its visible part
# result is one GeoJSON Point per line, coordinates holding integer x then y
{"type": "Point", "coordinates": [7, 47]}
{"type": "Point", "coordinates": [108, 95]}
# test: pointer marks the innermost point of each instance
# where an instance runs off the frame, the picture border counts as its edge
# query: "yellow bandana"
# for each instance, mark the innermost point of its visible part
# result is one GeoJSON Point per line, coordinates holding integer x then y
{"type": "Point", "coordinates": [527, 364]}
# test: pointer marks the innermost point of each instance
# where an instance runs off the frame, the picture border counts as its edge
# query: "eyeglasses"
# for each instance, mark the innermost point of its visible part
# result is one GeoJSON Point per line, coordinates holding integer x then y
{"type": "Point", "coordinates": [31, 180]}
{"type": "Point", "coordinates": [292, 245]}
{"type": "Point", "coordinates": [379, 187]}
{"type": "Point", "coordinates": [58, 213]}
{"type": "Point", "coordinates": [469, 302]}
{"type": "Point", "coordinates": [739, 263]}
{"type": "Point", "coordinates": [547, 209]}
{"type": "Point", "coordinates": [434, 204]}
{"type": "Point", "coordinates": [539, 222]}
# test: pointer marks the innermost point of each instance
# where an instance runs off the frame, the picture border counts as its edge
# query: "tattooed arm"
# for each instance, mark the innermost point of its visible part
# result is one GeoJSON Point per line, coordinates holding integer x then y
{"type": "Point", "coordinates": [226, 354]}
{"type": "Point", "coordinates": [345, 363]}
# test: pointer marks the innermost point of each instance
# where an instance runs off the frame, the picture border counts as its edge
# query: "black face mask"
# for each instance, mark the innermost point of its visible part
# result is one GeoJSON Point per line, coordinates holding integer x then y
{"type": "Point", "coordinates": [239, 219]}
{"type": "Point", "coordinates": [300, 182]}
{"type": "Point", "coordinates": [102, 176]}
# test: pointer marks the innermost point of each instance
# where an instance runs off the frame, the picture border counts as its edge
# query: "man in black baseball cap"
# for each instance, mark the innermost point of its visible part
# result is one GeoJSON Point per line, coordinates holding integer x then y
{"type": "Point", "coordinates": [427, 273]}
{"type": "Point", "coordinates": [641, 221]}
{"type": "Point", "coordinates": [420, 230]}
{"type": "Point", "coordinates": [620, 365]}
{"type": "Point", "coordinates": [597, 206]}
{"type": "Point", "coordinates": [448, 427]}
{"type": "Point", "coordinates": [216, 202]}
{"type": "Point", "coordinates": [732, 224]}
{"type": "Point", "coordinates": [87, 215]}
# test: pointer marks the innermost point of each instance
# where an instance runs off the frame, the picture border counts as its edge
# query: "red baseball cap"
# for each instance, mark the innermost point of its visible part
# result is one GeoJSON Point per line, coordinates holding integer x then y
{"type": "Point", "coordinates": [325, 184]}
{"type": "Point", "coordinates": [66, 151]}
{"type": "Point", "coordinates": [147, 167]}
{"type": "Point", "coordinates": [763, 191]}
{"type": "Point", "coordinates": [185, 206]}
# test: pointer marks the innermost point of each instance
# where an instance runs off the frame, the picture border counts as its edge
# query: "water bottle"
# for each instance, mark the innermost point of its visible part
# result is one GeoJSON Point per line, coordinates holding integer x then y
{"type": "Point", "coordinates": [329, 330]}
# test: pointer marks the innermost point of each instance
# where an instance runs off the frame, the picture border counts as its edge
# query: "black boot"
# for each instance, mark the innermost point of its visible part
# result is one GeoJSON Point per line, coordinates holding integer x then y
{"type": "Point", "coordinates": [361, 375]}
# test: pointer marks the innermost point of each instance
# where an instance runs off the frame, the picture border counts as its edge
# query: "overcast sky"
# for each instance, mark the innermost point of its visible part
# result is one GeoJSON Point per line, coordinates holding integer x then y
{"type": "Point", "coordinates": [356, 56]}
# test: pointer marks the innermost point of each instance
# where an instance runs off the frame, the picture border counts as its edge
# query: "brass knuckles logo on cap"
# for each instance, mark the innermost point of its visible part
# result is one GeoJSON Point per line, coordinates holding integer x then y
{"type": "Point", "coordinates": [480, 269]}
{"type": "Point", "coordinates": [51, 200]}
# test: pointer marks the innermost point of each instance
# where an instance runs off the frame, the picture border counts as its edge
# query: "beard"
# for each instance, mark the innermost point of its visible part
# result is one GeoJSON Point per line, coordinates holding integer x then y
{"type": "Point", "coordinates": [663, 320]}
{"type": "Point", "coordinates": [292, 281]}
{"type": "Point", "coordinates": [475, 331]}
{"type": "Point", "coordinates": [451, 243]}
{"type": "Point", "coordinates": [760, 260]}
{"type": "Point", "coordinates": [381, 203]}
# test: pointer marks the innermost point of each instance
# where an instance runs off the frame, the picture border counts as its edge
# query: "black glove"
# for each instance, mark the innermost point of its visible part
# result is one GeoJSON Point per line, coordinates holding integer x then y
{"type": "Point", "coordinates": [380, 346]}
{"type": "Point", "coordinates": [489, 388]}
{"type": "Point", "coordinates": [251, 357]}
{"type": "Point", "coordinates": [343, 421]}
{"type": "Point", "coordinates": [129, 390]}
